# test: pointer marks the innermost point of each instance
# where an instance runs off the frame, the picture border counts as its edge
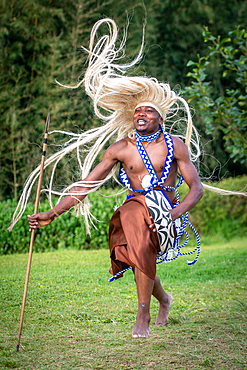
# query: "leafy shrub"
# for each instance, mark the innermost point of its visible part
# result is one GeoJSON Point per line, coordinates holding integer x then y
{"type": "Point", "coordinates": [222, 215]}
{"type": "Point", "coordinates": [225, 216]}
{"type": "Point", "coordinates": [67, 231]}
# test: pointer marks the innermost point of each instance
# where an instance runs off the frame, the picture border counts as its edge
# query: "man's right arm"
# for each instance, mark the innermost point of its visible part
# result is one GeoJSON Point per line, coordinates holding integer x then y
{"type": "Point", "coordinates": [191, 177]}
{"type": "Point", "coordinates": [99, 173]}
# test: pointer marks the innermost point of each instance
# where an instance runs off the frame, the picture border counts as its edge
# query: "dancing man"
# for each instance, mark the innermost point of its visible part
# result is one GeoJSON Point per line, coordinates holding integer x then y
{"type": "Point", "coordinates": [153, 134]}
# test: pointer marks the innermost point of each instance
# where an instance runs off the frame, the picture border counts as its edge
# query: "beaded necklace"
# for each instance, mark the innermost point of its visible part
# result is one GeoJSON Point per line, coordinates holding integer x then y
{"type": "Point", "coordinates": [148, 138]}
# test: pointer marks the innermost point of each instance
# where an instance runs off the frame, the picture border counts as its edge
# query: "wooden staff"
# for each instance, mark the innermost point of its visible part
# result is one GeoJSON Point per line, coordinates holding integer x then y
{"type": "Point", "coordinates": [33, 231]}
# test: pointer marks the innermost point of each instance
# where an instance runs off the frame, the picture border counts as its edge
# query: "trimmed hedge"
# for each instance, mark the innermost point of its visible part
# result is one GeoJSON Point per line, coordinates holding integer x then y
{"type": "Point", "coordinates": [225, 216]}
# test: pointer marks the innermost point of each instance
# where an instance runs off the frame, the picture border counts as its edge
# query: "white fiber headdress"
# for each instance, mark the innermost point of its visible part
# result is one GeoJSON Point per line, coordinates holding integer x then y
{"type": "Point", "coordinates": [150, 104]}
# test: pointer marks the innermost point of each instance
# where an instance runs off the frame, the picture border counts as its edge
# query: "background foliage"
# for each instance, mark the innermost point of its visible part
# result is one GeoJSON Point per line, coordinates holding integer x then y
{"type": "Point", "coordinates": [40, 41]}
{"type": "Point", "coordinates": [224, 216]}
{"type": "Point", "coordinates": [223, 115]}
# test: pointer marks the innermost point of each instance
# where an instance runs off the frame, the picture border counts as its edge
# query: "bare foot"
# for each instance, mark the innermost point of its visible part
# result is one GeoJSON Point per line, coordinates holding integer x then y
{"type": "Point", "coordinates": [165, 305]}
{"type": "Point", "coordinates": [141, 328]}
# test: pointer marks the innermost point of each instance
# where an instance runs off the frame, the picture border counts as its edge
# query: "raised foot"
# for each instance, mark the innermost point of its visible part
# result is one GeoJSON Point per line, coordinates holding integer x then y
{"type": "Point", "coordinates": [165, 305]}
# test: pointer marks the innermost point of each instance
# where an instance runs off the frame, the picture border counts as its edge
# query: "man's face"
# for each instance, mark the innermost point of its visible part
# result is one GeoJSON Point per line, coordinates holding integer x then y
{"type": "Point", "coordinates": [146, 120]}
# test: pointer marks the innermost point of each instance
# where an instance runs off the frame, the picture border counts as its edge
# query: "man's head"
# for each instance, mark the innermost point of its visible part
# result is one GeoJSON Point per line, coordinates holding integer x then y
{"type": "Point", "coordinates": [147, 119]}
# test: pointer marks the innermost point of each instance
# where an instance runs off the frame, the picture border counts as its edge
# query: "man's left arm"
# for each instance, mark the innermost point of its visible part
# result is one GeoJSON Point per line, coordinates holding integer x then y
{"type": "Point", "coordinates": [191, 177]}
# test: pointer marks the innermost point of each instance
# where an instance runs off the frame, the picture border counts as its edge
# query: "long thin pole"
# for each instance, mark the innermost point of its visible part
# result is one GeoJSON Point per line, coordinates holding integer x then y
{"type": "Point", "coordinates": [33, 231]}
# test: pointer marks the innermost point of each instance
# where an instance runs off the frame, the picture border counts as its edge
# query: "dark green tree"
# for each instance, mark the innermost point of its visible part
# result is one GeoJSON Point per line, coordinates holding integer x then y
{"type": "Point", "coordinates": [28, 32]}
{"type": "Point", "coordinates": [40, 42]}
{"type": "Point", "coordinates": [178, 28]}
{"type": "Point", "coordinates": [222, 116]}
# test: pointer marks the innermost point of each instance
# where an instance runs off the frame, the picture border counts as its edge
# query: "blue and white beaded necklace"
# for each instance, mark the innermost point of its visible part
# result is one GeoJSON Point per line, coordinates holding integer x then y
{"type": "Point", "coordinates": [148, 138]}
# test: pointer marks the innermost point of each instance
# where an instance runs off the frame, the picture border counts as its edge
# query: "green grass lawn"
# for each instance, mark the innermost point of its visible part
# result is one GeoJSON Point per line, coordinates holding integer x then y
{"type": "Point", "coordinates": [75, 319]}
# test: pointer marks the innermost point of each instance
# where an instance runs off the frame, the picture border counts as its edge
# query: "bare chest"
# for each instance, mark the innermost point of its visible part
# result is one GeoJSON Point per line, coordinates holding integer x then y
{"type": "Point", "coordinates": [133, 163]}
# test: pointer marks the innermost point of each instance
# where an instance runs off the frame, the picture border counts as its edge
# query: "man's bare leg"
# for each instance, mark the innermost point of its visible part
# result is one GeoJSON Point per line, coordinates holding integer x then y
{"type": "Point", "coordinates": [144, 287]}
{"type": "Point", "coordinates": [165, 301]}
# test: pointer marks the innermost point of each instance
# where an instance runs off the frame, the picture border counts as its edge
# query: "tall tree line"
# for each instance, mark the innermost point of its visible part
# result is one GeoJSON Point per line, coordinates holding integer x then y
{"type": "Point", "coordinates": [41, 42]}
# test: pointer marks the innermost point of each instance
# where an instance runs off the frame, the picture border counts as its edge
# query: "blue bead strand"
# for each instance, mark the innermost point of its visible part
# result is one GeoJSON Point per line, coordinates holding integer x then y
{"type": "Point", "coordinates": [119, 273]}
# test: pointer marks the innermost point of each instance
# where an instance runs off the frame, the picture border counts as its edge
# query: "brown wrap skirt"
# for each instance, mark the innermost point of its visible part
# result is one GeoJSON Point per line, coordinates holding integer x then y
{"type": "Point", "coordinates": [131, 241]}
